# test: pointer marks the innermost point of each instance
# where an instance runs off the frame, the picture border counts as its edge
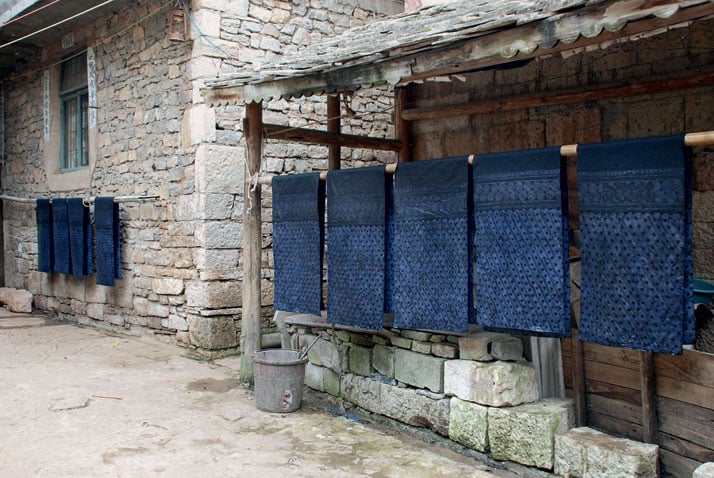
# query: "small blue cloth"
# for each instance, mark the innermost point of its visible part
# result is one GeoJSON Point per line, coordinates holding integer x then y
{"type": "Point", "coordinates": [80, 238]}
{"type": "Point", "coordinates": [60, 236]}
{"type": "Point", "coordinates": [433, 245]}
{"type": "Point", "coordinates": [522, 279]}
{"type": "Point", "coordinates": [43, 216]}
{"type": "Point", "coordinates": [635, 220]}
{"type": "Point", "coordinates": [356, 247]}
{"type": "Point", "coordinates": [108, 238]}
{"type": "Point", "coordinates": [298, 237]}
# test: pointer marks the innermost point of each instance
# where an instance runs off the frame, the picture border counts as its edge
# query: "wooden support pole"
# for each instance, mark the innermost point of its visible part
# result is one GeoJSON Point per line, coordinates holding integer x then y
{"type": "Point", "coordinates": [334, 127]}
{"type": "Point", "coordinates": [581, 410]}
{"type": "Point", "coordinates": [252, 241]}
{"type": "Point", "coordinates": [311, 136]}
{"type": "Point", "coordinates": [402, 130]}
{"type": "Point", "coordinates": [649, 397]}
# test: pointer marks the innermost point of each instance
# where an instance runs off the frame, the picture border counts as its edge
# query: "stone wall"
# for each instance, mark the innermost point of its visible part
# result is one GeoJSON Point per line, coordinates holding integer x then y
{"type": "Point", "coordinates": [476, 388]}
{"type": "Point", "coordinates": [154, 135]}
{"type": "Point", "coordinates": [679, 52]}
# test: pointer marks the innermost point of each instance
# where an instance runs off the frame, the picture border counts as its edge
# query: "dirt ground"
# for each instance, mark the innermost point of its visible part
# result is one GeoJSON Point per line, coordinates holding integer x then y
{"type": "Point", "coordinates": [81, 402]}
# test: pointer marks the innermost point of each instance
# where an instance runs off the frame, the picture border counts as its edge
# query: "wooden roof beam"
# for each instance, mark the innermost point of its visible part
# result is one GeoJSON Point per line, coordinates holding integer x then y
{"type": "Point", "coordinates": [311, 136]}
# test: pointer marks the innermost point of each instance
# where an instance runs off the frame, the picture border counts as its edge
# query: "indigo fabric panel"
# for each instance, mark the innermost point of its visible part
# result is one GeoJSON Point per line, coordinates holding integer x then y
{"type": "Point", "coordinates": [60, 236]}
{"type": "Point", "coordinates": [80, 238]}
{"type": "Point", "coordinates": [635, 220]}
{"type": "Point", "coordinates": [522, 277]}
{"type": "Point", "coordinates": [298, 236]}
{"type": "Point", "coordinates": [432, 287]}
{"type": "Point", "coordinates": [356, 247]}
{"type": "Point", "coordinates": [43, 216]}
{"type": "Point", "coordinates": [389, 307]}
{"type": "Point", "coordinates": [108, 240]}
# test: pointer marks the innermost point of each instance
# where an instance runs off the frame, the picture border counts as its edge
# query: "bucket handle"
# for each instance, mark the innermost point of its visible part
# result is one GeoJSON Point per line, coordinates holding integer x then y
{"type": "Point", "coordinates": [303, 354]}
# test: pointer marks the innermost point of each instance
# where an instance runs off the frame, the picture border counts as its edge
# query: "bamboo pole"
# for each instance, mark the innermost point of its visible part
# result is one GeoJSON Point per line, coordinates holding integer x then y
{"type": "Point", "coordinates": [703, 138]}
{"type": "Point", "coordinates": [334, 127]}
{"type": "Point", "coordinates": [250, 328]}
{"type": "Point", "coordinates": [312, 136]}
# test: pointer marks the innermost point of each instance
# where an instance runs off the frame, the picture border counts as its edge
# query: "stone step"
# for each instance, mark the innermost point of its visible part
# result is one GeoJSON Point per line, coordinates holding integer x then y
{"type": "Point", "coordinates": [586, 452]}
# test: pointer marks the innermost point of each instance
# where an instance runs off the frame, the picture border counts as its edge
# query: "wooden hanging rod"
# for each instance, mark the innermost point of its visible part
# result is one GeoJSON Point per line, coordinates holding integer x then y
{"type": "Point", "coordinates": [704, 138]}
{"type": "Point", "coordinates": [311, 136]}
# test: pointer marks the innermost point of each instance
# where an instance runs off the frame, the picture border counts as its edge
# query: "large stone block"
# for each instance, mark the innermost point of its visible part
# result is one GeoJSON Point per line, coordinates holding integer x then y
{"type": "Point", "coordinates": [360, 360]}
{"type": "Point", "coordinates": [324, 353]}
{"type": "Point", "coordinates": [219, 169]}
{"type": "Point", "coordinates": [212, 333]}
{"type": "Point", "coordinates": [419, 370]}
{"type": "Point", "coordinates": [383, 360]}
{"type": "Point", "coordinates": [705, 470]}
{"type": "Point", "coordinates": [213, 295]}
{"type": "Point", "coordinates": [584, 452]}
{"type": "Point", "coordinates": [526, 433]}
{"type": "Point", "coordinates": [415, 408]}
{"type": "Point", "coordinates": [497, 384]}
{"type": "Point", "coordinates": [404, 404]}
{"type": "Point", "coordinates": [468, 424]}
{"type": "Point", "coordinates": [16, 300]}
{"type": "Point", "coordinates": [315, 377]}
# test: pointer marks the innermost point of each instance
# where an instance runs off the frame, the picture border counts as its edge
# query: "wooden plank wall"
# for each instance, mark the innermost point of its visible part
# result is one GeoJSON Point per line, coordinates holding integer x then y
{"type": "Point", "coordinates": [685, 401]}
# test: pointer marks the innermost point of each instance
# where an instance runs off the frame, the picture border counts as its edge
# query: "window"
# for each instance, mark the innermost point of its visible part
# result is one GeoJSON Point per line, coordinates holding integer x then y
{"type": "Point", "coordinates": [74, 100]}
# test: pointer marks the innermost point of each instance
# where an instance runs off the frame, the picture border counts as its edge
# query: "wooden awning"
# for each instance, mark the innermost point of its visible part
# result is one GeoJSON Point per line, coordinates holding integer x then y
{"type": "Point", "coordinates": [448, 40]}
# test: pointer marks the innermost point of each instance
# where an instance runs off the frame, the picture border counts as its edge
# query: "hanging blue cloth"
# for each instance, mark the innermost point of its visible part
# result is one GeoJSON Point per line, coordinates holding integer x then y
{"type": "Point", "coordinates": [389, 244]}
{"type": "Point", "coordinates": [356, 247]}
{"type": "Point", "coordinates": [80, 238]}
{"type": "Point", "coordinates": [108, 238]}
{"type": "Point", "coordinates": [60, 236]}
{"type": "Point", "coordinates": [298, 237]}
{"type": "Point", "coordinates": [520, 205]}
{"type": "Point", "coordinates": [433, 241]}
{"type": "Point", "coordinates": [635, 221]}
{"type": "Point", "coordinates": [43, 216]}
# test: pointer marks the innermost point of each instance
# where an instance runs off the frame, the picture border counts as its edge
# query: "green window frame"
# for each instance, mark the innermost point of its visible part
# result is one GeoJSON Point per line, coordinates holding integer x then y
{"type": "Point", "coordinates": [74, 100]}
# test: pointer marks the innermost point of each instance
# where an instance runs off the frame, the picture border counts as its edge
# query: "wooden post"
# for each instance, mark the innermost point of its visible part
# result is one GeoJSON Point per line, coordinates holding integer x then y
{"type": "Point", "coordinates": [333, 126]}
{"type": "Point", "coordinates": [401, 126]}
{"type": "Point", "coordinates": [649, 397]}
{"type": "Point", "coordinates": [252, 241]}
{"type": "Point", "coordinates": [581, 411]}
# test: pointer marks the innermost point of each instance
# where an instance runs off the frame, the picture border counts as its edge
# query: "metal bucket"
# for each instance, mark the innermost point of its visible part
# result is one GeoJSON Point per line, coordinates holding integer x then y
{"type": "Point", "coordinates": [279, 376]}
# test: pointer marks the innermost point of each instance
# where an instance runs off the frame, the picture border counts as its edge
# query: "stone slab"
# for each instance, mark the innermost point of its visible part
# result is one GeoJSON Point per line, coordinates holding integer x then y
{"type": "Point", "coordinates": [419, 370]}
{"type": "Point", "coordinates": [497, 384]}
{"type": "Point", "coordinates": [16, 300]}
{"type": "Point", "coordinates": [481, 346]}
{"type": "Point", "coordinates": [705, 470]}
{"type": "Point", "coordinates": [360, 360]}
{"type": "Point", "coordinates": [526, 433]}
{"type": "Point", "coordinates": [383, 360]}
{"type": "Point", "coordinates": [584, 452]}
{"type": "Point", "coordinates": [468, 424]}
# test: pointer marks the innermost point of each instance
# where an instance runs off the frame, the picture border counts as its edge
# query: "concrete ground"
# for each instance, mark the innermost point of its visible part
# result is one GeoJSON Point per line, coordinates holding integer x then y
{"type": "Point", "coordinates": [81, 402]}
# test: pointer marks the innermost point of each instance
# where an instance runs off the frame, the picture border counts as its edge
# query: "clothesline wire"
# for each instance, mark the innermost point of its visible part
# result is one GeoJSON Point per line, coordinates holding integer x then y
{"type": "Point", "coordinates": [87, 201]}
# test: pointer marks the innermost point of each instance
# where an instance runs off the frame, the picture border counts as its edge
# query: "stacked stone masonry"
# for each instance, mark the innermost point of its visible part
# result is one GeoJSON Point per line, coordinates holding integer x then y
{"type": "Point", "coordinates": [181, 254]}
{"type": "Point", "coordinates": [488, 404]}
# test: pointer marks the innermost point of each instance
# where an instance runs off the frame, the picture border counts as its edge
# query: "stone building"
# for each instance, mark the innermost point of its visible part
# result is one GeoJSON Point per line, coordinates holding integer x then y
{"type": "Point", "coordinates": [141, 128]}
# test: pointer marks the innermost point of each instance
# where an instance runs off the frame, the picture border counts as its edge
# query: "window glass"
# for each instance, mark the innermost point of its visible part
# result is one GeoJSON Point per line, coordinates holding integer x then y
{"type": "Point", "coordinates": [75, 102]}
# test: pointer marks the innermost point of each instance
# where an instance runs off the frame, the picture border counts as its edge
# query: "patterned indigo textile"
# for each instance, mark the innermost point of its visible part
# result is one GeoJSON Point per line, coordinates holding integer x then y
{"type": "Point", "coordinates": [298, 236]}
{"type": "Point", "coordinates": [355, 247]}
{"type": "Point", "coordinates": [80, 238]}
{"type": "Point", "coordinates": [60, 236]}
{"type": "Point", "coordinates": [45, 252]}
{"type": "Point", "coordinates": [432, 243]}
{"type": "Point", "coordinates": [520, 205]}
{"type": "Point", "coordinates": [389, 244]}
{"type": "Point", "coordinates": [635, 220]}
{"type": "Point", "coordinates": [108, 238]}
